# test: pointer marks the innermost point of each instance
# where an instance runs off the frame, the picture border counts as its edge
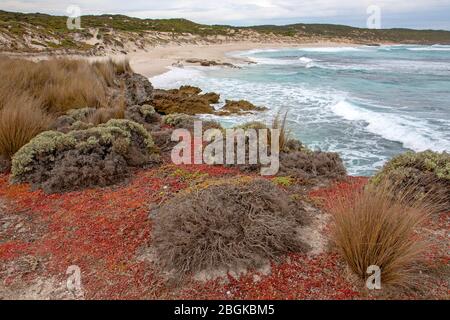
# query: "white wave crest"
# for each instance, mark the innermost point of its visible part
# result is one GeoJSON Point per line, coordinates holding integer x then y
{"type": "Point", "coordinates": [166, 80]}
{"type": "Point", "coordinates": [415, 135]}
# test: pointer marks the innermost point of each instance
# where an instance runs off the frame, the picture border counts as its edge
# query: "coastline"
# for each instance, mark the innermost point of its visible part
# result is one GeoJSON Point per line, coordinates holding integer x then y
{"type": "Point", "coordinates": [157, 60]}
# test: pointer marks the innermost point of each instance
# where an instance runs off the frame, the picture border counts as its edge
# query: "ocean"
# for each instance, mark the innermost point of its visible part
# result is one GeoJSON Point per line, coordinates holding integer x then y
{"type": "Point", "coordinates": [366, 103]}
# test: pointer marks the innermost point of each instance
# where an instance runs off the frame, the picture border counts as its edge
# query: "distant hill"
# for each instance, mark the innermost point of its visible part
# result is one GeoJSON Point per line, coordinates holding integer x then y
{"type": "Point", "coordinates": [41, 32]}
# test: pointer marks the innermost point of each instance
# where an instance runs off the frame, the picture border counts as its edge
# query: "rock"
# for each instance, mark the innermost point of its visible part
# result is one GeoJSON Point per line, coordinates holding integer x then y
{"type": "Point", "coordinates": [185, 100]}
{"type": "Point", "coordinates": [239, 107]}
{"type": "Point", "coordinates": [188, 90]}
{"type": "Point", "coordinates": [212, 97]}
{"type": "Point", "coordinates": [210, 63]}
{"type": "Point", "coordinates": [139, 90]}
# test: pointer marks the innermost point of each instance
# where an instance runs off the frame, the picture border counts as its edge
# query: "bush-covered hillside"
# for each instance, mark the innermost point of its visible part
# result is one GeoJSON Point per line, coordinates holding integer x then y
{"type": "Point", "coordinates": [31, 32]}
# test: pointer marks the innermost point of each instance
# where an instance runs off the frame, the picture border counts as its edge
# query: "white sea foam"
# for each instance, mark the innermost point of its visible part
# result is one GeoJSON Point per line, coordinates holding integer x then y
{"type": "Point", "coordinates": [175, 74]}
{"type": "Point", "coordinates": [305, 60]}
{"type": "Point", "coordinates": [331, 49]}
{"type": "Point", "coordinates": [412, 133]}
{"type": "Point", "coordinates": [271, 61]}
{"type": "Point", "coordinates": [430, 48]}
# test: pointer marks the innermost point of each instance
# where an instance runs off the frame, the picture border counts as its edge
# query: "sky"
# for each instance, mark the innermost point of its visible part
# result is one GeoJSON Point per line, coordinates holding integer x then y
{"type": "Point", "coordinates": [418, 14]}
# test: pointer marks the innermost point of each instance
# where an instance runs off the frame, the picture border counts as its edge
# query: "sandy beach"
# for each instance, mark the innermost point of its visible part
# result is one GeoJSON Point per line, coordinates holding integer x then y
{"type": "Point", "coordinates": [156, 61]}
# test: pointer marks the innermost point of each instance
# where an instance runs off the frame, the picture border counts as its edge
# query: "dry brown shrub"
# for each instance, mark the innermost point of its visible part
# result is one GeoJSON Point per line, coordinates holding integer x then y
{"type": "Point", "coordinates": [379, 226]}
{"type": "Point", "coordinates": [226, 226]}
{"type": "Point", "coordinates": [308, 164]}
{"type": "Point", "coordinates": [21, 119]}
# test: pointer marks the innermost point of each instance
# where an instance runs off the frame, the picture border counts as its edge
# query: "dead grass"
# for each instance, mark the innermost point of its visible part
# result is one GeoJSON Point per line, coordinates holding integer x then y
{"type": "Point", "coordinates": [371, 227]}
{"type": "Point", "coordinates": [21, 119]}
{"type": "Point", "coordinates": [31, 93]}
{"type": "Point", "coordinates": [61, 84]}
{"type": "Point", "coordinates": [103, 115]}
{"type": "Point", "coordinates": [280, 124]}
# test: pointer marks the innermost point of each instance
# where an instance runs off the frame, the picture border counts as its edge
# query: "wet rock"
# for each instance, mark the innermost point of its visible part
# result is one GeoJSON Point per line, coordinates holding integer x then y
{"type": "Point", "coordinates": [239, 107]}
{"type": "Point", "coordinates": [210, 63]}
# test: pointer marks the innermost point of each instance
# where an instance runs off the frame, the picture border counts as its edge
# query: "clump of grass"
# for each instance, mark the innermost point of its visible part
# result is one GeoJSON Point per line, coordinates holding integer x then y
{"type": "Point", "coordinates": [108, 69]}
{"type": "Point", "coordinates": [279, 123]}
{"type": "Point", "coordinates": [31, 93]}
{"type": "Point", "coordinates": [21, 119]}
{"type": "Point", "coordinates": [61, 84]}
{"type": "Point", "coordinates": [376, 226]}
{"type": "Point", "coordinates": [103, 115]}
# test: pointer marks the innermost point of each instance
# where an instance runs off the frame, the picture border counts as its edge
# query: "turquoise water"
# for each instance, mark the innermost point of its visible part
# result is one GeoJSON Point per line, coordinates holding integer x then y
{"type": "Point", "coordinates": [367, 103]}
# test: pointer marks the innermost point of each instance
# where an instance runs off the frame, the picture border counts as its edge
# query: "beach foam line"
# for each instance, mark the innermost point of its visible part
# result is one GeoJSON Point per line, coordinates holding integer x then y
{"type": "Point", "coordinates": [432, 48]}
{"type": "Point", "coordinates": [414, 135]}
{"type": "Point", "coordinates": [330, 49]}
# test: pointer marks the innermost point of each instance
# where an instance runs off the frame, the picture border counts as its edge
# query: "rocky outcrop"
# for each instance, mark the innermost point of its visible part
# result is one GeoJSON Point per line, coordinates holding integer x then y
{"type": "Point", "coordinates": [239, 107]}
{"type": "Point", "coordinates": [190, 100]}
{"type": "Point", "coordinates": [138, 89]}
{"type": "Point", "coordinates": [210, 63]}
{"type": "Point", "coordinates": [187, 100]}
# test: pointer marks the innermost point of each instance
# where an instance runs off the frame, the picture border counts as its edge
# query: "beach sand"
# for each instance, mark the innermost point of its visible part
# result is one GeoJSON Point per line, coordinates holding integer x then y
{"type": "Point", "coordinates": [157, 60]}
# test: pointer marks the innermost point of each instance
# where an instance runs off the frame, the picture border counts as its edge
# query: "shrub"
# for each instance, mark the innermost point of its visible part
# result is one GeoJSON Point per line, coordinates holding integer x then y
{"type": "Point", "coordinates": [311, 164]}
{"type": "Point", "coordinates": [225, 226]}
{"type": "Point", "coordinates": [184, 121]}
{"type": "Point", "coordinates": [179, 120]}
{"type": "Point", "coordinates": [428, 171]}
{"type": "Point", "coordinates": [145, 115]}
{"type": "Point", "coordinates": [371, 227]}
{"type": "Point", "coordinates": [21, 119]}
{"type": "Point", "coordinates": [98, 156]}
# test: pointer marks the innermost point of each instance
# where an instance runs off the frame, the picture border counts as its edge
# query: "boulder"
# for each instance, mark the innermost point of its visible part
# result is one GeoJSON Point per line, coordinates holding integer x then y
{"type": "Point", "coordinates": [239, 107]}
{"type": "Point", "coordinates": [138, 89]}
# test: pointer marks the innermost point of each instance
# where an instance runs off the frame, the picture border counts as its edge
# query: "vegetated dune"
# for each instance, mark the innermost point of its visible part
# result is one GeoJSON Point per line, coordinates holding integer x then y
{"type": "Point", "coordinates": [121, 34]}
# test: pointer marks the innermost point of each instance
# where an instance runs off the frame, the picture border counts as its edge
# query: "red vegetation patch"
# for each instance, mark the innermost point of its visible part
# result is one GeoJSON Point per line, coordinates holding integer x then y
{"type": "Point", "coordinates": [300, 277]}
{"type": "Point", "coordinates": [103, 230]}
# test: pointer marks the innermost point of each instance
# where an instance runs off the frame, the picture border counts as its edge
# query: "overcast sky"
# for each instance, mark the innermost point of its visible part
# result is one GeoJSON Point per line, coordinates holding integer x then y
{"type": "Point", "coordinates": [421, 14]}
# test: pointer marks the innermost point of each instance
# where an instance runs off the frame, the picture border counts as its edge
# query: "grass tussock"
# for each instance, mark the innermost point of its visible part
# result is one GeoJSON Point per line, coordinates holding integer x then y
{"type": "Point", "coordinates": [371, 227]}
{"type": "Point", "coordinates": [32, 93]}
{"type": "Point", "coordinates": [21, 119]}
{"type": "Point", "coordinates": [61, 84]}
{"type": "Point", "coordinates": [279, 123]}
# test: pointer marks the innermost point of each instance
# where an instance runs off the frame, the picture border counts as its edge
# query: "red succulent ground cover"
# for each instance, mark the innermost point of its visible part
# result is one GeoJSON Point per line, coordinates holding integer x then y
{"type": "Point", "coordinates": [105, 230]}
